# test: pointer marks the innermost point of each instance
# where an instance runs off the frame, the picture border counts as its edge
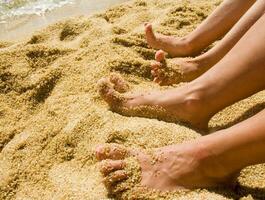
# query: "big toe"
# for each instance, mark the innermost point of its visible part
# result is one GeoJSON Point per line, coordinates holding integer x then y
{"type": "Point", "coordinates": [119, 83]}
{"type": "Point", "coordinates": [105, 88]}
{"type": "Point", "coordinates": [148, 28]}
{"type": "Point", "coordinates": [149, 32]}
{"type": "Point", "coordinates": [111, 151]}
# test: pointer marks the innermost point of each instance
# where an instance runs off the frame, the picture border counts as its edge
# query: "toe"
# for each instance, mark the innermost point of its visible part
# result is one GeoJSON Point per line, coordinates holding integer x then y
{"type": "Point", "coordinates": [120, 188]}
{"type": "Point", "coordinates": [109, 94]}
{"type": "Point", "coordinates": [109, 166]}
{"type": "Point", "coordinates": [155, 65]}
{"type": "Point", "coordinates": [149, 30]}
{"type": "Point", "coordinates": [153, 72]}
{"type": "Point", "coordinates": [111, 151]}
{"type": "Point", "coordinates": [105, 88]}
{"type": "Point", "coordinates": [150, 36]}
{"type": "Point", "coordinates": [160, 56]}
{"type": "Point", "coordinates": [119, 83]}
{"type": "Point", "coordinates": [158, 74]}
{"type": "Point", "coordinates": [115, 78]}
{"type": "Point", "coordinates": [115, 177]}
{"type": "Point", "coordinates": [157, 80]}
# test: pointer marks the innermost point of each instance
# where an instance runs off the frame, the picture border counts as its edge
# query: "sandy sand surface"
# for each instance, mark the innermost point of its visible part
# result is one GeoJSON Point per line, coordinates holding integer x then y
{"type": "Point", "coordinates": [51, 116]}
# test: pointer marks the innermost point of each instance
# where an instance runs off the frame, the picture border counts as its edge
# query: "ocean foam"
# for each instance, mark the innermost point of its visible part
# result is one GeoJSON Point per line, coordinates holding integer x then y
{"type": "Point", "coordinates": [16, 8]}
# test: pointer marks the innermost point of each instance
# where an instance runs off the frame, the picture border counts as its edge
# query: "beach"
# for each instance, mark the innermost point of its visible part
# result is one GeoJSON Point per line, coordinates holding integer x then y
{"type": "Point", "coordinates": [52, 116]}
{"type": "Point", "coordinates": [21, 26]}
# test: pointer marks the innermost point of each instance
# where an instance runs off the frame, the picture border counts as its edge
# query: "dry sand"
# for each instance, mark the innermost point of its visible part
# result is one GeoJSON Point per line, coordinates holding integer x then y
{"type": "Point", "coordinates": [52, 116]}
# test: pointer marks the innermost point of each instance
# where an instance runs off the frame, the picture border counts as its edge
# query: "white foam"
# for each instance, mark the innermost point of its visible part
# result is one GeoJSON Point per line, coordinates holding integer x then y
{"type": "Point", "coordinates": [10, 9]}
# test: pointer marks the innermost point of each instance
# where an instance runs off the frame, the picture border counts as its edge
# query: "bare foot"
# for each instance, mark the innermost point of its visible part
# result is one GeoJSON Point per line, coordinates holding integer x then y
{"type": "Point", "coordinates": [176, 70]}
{"type": "Point", "coordinates": [165, 169]}
{"type": "Point", "coordinates": [175, 47]}
{"type": "Point", "coordinates": [174, 105]}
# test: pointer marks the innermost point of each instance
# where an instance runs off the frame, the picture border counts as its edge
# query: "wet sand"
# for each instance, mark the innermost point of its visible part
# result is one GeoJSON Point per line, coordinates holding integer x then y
{"type": "Point", "coordinates": [17, 28]}
{"type": "Point", "coordinates": [51, 115]}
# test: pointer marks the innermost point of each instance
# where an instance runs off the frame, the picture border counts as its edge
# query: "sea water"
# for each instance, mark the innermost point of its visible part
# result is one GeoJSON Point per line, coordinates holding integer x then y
{"type": "Point", "coordinates": [20, 18]}
{"type": "Point", "coordinates": [16, 8]}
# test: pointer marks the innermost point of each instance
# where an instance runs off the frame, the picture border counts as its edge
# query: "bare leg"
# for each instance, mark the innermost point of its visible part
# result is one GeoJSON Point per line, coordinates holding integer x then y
{"type": "Point", "coordinates": [218, 88]}
{"type": "Point", "coordinates": [214, 27]}
{"type": "Point", "coordinates": [210, 161]}
{"type": "Point", "coordinates": [244, 24]}
{"type": "Point", "coordinates": [187, 69]}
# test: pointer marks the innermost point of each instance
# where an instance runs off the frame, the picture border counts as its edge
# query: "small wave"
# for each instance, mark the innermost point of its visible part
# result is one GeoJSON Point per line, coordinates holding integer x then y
{"type": "Point", "coordinates": [15, 8]}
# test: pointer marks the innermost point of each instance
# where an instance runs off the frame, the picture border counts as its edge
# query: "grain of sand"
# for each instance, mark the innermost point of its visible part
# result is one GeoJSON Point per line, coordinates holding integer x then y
{"type": "Point", "coordinates": [52, 116]}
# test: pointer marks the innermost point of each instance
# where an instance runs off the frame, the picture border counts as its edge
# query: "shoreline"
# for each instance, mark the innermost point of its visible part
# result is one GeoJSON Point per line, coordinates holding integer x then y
{"type": "Point", "coordinates": [19, 28]}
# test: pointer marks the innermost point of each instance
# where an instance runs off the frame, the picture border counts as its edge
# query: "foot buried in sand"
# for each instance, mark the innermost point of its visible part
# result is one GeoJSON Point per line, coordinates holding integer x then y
{"type": "Point", "coordinates": [175, 47]}
{"type": "Point", "coordinates": [173, 105]}
{"type": "Point", "coordinates": [184, 166]}
{"type": "Point", "coordinates": [176, 70]}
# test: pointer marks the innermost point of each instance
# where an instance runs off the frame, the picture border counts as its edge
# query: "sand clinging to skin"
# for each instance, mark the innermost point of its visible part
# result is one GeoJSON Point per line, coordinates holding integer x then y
{"type": "Point", "coordinates": [52, 117]}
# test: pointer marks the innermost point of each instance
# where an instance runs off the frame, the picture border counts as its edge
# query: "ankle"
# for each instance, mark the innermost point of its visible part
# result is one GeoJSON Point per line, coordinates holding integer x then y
{"type": "Point", "coordinates": [207, 59]}
{"type": "Point", "coordinates": [191, 45]}
{"type": "Point", "coordinates": [215, 157]}
{"type": "Point", "coordinates": [202, 60]}
{"type": "Point", "coordinates": [195, 105]}
{"type": "Point", "coordinates": [210, 163]}
{"type": "Point", "coordinates": [187, 45]}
